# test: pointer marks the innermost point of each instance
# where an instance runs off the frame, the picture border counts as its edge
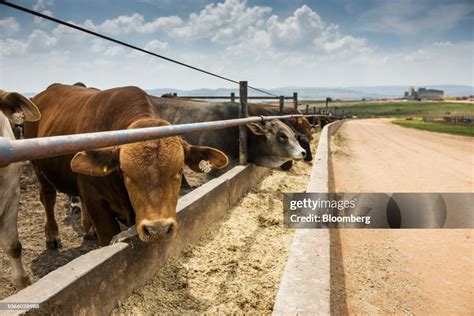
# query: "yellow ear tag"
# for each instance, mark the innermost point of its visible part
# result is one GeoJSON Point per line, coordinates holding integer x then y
{"type": "Point", "coordinates": [105, 168]}
{"type": "Point", "coordinates": [205, 166]}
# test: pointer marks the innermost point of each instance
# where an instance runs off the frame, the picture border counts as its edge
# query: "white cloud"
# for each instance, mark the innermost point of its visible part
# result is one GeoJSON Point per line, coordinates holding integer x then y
{"type": "Point", "coordinates": [98, 45]}
{"type": "Point", "coordinates": [42, 21]}
{"type": "Point", "coordinates": [160, 23]}
{"type": "Point", "coordinates": [114, 51]}
{"type": "Point", "coordinates": [222, 21]}
{"type": "Point", "coordinates": [9, 25]}
{"type": "Point", "coordinates": [122, 24]}
{"type": "Point", "coordinates": [347, 42]}
{"type": "Point", "coordinates": [156, 46]}
{"type": "Point", "coordinates": [414, 16]}
{"type": "Point", "coordinates": [418, 56]}
{"type": "Point", "coordinates": [302, 25]}
{"type": "Point", "coordinates": [40, 39]}
{"type": "Point", "coordinates": [302, 37]}
{"type": "Point", "coordinates": [125, 24]}
{"type": "Point", "coordinates": [442, 44]}
{"type": "Point", "coordinates": [36, 41]}
{"type": "Point", "coordinates": [10, 47]}
{"type": "Point", "coordinates": [42, 4]}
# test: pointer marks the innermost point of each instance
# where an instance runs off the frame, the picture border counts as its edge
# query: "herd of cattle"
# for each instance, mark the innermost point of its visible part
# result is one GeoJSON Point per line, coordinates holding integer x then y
{"type": "Point", "coordinates": [114, 183]}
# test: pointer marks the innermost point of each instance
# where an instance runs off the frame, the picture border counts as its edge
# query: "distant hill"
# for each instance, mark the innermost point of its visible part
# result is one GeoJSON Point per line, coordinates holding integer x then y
{"type": "Point", "coordinates": [343, 93]}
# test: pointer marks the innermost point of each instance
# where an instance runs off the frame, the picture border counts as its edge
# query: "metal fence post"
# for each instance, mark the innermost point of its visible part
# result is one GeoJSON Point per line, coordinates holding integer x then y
{"type": "Point", "coordinates": [295, 101]}
{"type": "Point", "coordinates": [232, 97]}
{"type": "Point", "coordinates": [282, 104]}
{"type": "Point", "coordinates": [244, 112]}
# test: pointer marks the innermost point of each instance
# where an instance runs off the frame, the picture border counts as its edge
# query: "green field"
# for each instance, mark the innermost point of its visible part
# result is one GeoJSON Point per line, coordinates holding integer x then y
{"type": "Point", "coordinates": [436, 127]}
{"type": "Point", "coordinates": [398, 109]}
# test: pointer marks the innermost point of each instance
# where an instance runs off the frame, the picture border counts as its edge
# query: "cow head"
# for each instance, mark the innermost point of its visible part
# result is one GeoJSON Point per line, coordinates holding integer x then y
{"type": "Point", "coordinates": [18, 108]}
{"type": "Point", "coordinates": [304, 127]}
{"type": "Point", "coordinates": [273, 144]}
{"type": "Point", "coordinates": [152, 172]}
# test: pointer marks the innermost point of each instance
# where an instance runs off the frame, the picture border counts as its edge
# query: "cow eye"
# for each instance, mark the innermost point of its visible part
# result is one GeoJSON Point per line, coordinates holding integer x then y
{"type": "Point", "coordinates": [282, 138]}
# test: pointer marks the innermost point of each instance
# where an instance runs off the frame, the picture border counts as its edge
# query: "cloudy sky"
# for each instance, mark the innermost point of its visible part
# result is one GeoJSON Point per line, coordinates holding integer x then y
{"type": "Point", "coordinates": [271, 44]}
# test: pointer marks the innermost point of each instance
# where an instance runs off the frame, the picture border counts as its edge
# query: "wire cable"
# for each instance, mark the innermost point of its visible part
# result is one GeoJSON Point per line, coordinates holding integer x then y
{"type": "Point", "coordinates": [41, 15]}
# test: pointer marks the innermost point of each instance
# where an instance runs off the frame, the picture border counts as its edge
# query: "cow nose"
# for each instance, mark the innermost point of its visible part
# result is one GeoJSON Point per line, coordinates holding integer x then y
{"type": "Point", "coordinates": [158, 229]}
{"type": "Point", "coordinates": [303, 153]}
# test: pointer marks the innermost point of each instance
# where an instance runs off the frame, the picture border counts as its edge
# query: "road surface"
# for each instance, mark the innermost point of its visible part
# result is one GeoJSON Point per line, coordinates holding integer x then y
{"type": "Point", "coordinates": [401, 271]}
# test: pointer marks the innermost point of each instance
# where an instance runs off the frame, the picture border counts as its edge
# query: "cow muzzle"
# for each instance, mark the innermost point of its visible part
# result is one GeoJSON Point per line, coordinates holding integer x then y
{"type": "Point", "coordinates": [150, 230]}
{"type": "Point", "coordinates": [299, 154]}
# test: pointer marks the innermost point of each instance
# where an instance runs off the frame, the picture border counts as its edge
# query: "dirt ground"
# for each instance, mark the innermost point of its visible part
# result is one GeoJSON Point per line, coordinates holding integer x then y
{"type": "Point", "coordinates": [401, 271]}
{"type": "Point", "coordinates": [237, 265]}
{"type": "Point", "coordinates": [39, 261]}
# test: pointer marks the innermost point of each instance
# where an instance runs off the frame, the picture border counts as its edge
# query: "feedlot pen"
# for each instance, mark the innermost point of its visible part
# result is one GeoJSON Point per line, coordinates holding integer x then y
{"type": "Point", "coordinates": [236, 266]}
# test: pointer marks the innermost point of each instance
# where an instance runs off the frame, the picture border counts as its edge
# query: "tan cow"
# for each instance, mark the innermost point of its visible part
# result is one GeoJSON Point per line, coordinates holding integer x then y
{"type": "Point", "coordinates": [134, 183]}
{"type": "Point", "coordinates": [17, 109]}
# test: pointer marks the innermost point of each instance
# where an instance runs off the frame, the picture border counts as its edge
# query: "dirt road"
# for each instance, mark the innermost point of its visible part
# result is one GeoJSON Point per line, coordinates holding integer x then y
{"type": "Point", "coordinates": [385, 157]}
{"type": "Point", "coordinates": [401, 271]}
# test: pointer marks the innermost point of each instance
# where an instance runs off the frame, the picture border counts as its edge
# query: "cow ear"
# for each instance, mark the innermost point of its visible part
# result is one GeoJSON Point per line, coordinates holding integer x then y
{"type": "Point", "coordinates": [203, 158]}
{"type": "Point", "coordinates": [18, 108]}
{"type": "Point", "coordinates": [96, 162]}
{"type": "Point", "coordinates": [257, 128]}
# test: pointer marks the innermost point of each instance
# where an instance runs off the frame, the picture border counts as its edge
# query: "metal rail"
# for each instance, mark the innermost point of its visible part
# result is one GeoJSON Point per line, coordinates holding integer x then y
{"type": "Point", "coordinates": [44, 147]}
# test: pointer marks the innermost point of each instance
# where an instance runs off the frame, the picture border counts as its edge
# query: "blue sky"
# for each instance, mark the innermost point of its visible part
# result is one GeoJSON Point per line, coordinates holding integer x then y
{"type": "Point", "coordinates": [271, 44]}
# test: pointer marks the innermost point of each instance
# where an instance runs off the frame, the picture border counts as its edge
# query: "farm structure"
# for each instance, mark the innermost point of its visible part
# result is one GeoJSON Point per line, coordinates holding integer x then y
{"type": "Point", "coordinates": [423, 94]}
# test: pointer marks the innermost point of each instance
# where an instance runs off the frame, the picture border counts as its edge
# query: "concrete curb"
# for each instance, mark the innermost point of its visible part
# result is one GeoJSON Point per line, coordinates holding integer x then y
{"type": "Point", "coordinates": [305, 285]}
{"type": "Point", "coordinates": [94, 283]}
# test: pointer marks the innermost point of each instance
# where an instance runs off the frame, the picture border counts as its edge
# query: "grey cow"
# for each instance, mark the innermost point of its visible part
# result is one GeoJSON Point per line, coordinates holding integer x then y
{"type": "Point", "coordinates": [270, 144]}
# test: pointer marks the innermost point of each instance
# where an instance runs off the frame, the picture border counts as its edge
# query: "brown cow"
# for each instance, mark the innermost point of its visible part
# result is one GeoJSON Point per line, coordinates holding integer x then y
{"type": "Point", "coordinates": [17, 109]}
{"type": "Point", "coordinates": [301, 124]}
{"type": "Point", "coordinates": [135, 183]}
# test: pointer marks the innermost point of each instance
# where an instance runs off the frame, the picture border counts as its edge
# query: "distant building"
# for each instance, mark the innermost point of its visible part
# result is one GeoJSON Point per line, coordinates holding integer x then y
{"type": "Point", "coordinates": [423, 94]}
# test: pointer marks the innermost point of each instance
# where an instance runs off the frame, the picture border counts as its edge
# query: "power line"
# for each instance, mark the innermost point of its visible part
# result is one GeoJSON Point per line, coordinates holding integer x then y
{"type": "Point", "coordinates": [41, 15]}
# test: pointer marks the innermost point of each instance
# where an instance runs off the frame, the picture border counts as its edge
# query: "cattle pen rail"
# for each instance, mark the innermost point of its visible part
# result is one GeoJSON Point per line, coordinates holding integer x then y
{"type": "Point", "coordinates": [232, 98]}
{"type": "Point", "coordinates": [44, 147]}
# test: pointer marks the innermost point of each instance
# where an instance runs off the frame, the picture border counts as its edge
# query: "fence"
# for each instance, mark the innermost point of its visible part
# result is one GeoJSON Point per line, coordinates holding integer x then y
{"type": "Point", "coordinates": [43, 147]}
{"type": "Point", "coordinates": [232, 97]}
{"type": "Point", "coordinates": [450, 120]}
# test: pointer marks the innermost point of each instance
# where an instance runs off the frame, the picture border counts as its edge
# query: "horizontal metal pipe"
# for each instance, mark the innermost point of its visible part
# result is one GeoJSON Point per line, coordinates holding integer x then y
{"type": "Point", "coordinates": [225, 97]}
{"type": "Point", "coordinates": [43, 147]}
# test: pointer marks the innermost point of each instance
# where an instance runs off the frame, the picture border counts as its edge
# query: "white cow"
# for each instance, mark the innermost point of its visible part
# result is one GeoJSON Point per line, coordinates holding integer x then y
{"type": "Point", "coordinates": [16, 108]}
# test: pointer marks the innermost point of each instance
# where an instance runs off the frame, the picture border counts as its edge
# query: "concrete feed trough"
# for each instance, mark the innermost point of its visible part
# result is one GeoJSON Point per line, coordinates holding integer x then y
{"type": "Point", "coordinates": [96, 281]}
